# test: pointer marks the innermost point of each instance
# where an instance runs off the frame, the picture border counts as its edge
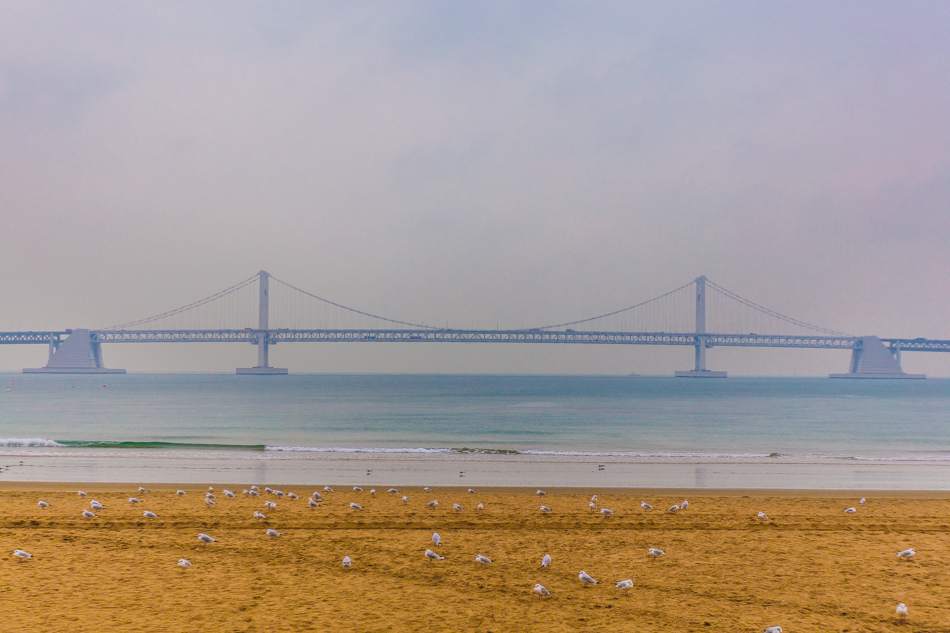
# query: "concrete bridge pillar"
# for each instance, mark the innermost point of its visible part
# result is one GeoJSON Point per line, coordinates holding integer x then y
{"type": "Point", "coordinates": [700, 370]}
{"type": "Point", "coordinates": [80, 353]}
{"type": "Point", "coordinates": [263, 334]}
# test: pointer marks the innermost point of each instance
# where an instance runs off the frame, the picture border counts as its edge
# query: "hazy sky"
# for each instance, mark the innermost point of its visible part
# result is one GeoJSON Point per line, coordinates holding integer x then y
{"type": "Point", "coordinates": [474, 164]}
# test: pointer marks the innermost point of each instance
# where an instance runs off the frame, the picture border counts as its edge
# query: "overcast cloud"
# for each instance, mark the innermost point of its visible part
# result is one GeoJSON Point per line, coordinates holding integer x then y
{"type": "Point", "coordinates": [474, 164]}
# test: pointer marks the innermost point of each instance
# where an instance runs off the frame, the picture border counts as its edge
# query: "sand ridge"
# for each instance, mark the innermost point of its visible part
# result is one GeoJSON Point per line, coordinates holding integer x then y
{"type": "Point", "coordinates": [811, 567]}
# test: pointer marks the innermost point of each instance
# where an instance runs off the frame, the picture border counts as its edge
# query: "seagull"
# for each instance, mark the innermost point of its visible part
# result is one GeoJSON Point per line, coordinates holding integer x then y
{"type": "Point", "coordinates": [134, 500]}
{"type": "Point", "coordinates": [480, 506]}
{"type": "Point", "coordinates": [901, 608]}
{"type": "Point", "coordinates": [254, 493]}
{"type": "Point", "coordinates": [269, 489]}
{"type": "Point", "coordinates": [346, 561]}
{"type": "Point", "coordinates": [433, 556]}
{"type": "Point", "coordinates": [184, 563]}
{"type": "Point", "coordinates": [209, 488]}
{"type": "Point", "coordinates": [141, 489]}
{"type": "Point", "coordinates": [436, 539]}
{"type": "Point", "coordinates": [205, 539]}
{"type": "Point", "coordinates": [540, 493]}
{"type": "Point", "coordinates": [149, 515]}
{"type": "Point", "coordinates": [645, 505]}
{"type": "Point", "coordinates": [405, 499]}
{"type": "Point", "coordinates": [19, 553]}
{"type": "Point", "coordinates": [270, 504]}
{"type": "Point", "coordinates": [606, 512]}
{"type": "Point", "coordinates": [592, 506]}
{"type": "Point", "coordinates": [625, 585]}
{"type": "Point", "coordinates": [763, 516]}
{"type": "Point", "coordinates": [471, 491]}
{"type": "Point", "coordinates": [270, 532]}
{"type": "Point", "coordinates": [393, 491]}
{"type": "Point", "coordinates": [773, 629]}
{"type": "Point", "coordinates": [432, 504]}
{"type": "Point", "coordinates": [327, 489]}
{"type": "Point", "coordinates": [684, 505]}
{"type": "Point", "coordinates": [673, 508]}
{"type": "Point", "coordinates": [907, 554]}
{"type": "Point", "coordinates": [586, 579]}
{"type": "Point", "coordinates": [357, 489]}
{"type": "Point", "coordinates": [88, 514]}
{"type": "Point", "coordinates": [259, 515]}
{"type": "Point", "coordinates": [255, 488]}
{"type": "Point", "coordinates": [482, 559]}
{"type": "Point", "coordinates": [291, 495]}
{"type": "Point", "coordinates": [95, 505]}
{"type": "Point", "coordinates": [80, 493]}
{"type": "Point", "coordinates": [862, 502]}
{"type": "Point", "coordinates": [316, 495]}
{"type": "Point", "coordinates": [355, 506]}
{"type": "Point", "coordinates": [43, 504]}
{"type": "Point", "coordinates": [456, 507]}
{"type": "Point", "coordinates": [593, 499]}
{"type": "Point", "coordinates": [545, 561]}
{"type": "Point", "coordinates": [426, 489]}
{"type": "Point", "coordinates": [208, 495]}
{"type": "Point", "coordinates": [372, 491]}
{"type": "Point", "coordinates": [180, 493]}
{"type": "Point", "coordinates": [654, 552]}
{"type": "Point", "coordinates": [850, 510]}
{"type": "Point", "coordinates": [540, 590]}
{"type": "Point", "coordinates": [211, 502]}
{"type": "Point", "coordinates": [229, 494]}
{"type": "Point", "coordinates": [545, 509]}
{"type": "Point", "coordinates": [313, 504]}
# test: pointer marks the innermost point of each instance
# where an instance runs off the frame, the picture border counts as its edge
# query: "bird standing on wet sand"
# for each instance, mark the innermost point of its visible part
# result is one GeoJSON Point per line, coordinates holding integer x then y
{"type": "Point", "coordinates": [21, 555]}
{"type": "Point", "coordinates": [259, 515]}
{"type": "Point", "coordinates": [134, 500]}
{"type": "Point", "coordinates": [763, 516]}
{"type": "Point", "coordinates": [850, 510]}
{"type": "Point", "coordinates": [346, 561]}
{"type": "Point", "coordinates": [270, 532]}
{"type": "Point", "coordinates": [545, 561]}
{"type": "Point", "coordinates": [313, 504]}
{"type": "Point", "coordinates": [436, 539]}
{"type": "Point", "coordinates": [540, 590]}
{"type": "Point", "coordinates": [433, 556]}
{"type": "Point", "coordinates": [606, 512]}
{"type": "Point", "coordinates": [586, 579]}
{"type": "Point", "coordinates": [149, 515]}
{"type": "Point", "coordinates": [184, 563]}
{"type": "Point", "coordinates": [426, 489]}
{"type": "Point", "coordinates": [482, 559]}
{"type": "Point", "coordinates": [773, 629]}
{"type": "Point", "coordinates": [625, 586]}
{"type": "Point", "coordinates": [88, 514]}
{"type": "Point", "coordinates": [456, 507]}
{"type": "Point", "coordinates": [545, 509]}
{"type": "Point", "coordinates": [645, 505]}
{"type": "Point", "coordinates": [907, 554]}
{"type": "Point", "coordinates": [43, 504]}
{"type": "Point", "coordinates": [655, 553]}
{"type": "Point", "coordinates": [205, 539]}
{"type": "Point", "coordinates": [356, 506]}
{"type": "Point", "coordinates": [540, 492]}
{"type": "Point", "coordinates": [432, 504]}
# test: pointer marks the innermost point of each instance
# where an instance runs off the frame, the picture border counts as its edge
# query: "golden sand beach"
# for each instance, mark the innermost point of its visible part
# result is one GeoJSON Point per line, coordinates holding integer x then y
{"type": "Point", "coordinates": [810, 567]}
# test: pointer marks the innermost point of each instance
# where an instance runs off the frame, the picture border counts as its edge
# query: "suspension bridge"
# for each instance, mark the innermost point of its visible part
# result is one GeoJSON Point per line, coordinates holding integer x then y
{"type": "Point", "coordinates": [263, 311]}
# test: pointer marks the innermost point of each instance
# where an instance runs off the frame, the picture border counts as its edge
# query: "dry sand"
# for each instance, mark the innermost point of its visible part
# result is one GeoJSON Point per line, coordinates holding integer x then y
{"type": "Point", "coordinates": [810, 568]}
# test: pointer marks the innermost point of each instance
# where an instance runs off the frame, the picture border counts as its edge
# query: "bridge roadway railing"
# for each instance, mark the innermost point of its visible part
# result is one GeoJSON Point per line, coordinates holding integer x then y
{"type": "Point", "coordinates": [472, 336]}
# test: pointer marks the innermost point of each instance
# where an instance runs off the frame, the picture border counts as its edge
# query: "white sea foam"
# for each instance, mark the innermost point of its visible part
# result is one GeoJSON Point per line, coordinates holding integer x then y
{"type": "Point", "coordinates": [30, 441]}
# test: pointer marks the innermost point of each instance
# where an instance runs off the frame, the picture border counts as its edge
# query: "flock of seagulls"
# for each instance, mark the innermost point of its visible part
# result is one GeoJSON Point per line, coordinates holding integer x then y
{"type": "Point", "coordinates": [315, 498]}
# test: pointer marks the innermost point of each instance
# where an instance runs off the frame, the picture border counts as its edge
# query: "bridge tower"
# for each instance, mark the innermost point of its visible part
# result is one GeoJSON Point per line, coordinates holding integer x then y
{"type": "Point", "coordinates": [263, 335]}
{"type": "Point", "coordinates": [79, 353]}
{"type": "Point", "coordinates": [702, 339]}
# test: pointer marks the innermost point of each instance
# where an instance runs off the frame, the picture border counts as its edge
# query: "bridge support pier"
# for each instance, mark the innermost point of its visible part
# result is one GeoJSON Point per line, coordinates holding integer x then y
{"type": "Point", "coordinates": [870, 358]}
{"type": "Point", "coordinates": [263, 341]}
{"type": "Point", "coordinates": [78, 354]}
{"type": "Point", "coordinates": [700, 370]}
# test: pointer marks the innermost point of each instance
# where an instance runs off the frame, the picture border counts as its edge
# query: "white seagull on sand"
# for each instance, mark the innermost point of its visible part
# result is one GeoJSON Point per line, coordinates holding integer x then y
{"type": "Point", "coordinates": [134, 500]}
{"type": "Point", "coordinates": [545, 561]}
{"type": "Point", "coordinates": [480, 506]}
{"type": "Point", "coordinates": [346, 561]}
{"type": "Point", "coordinates": [606, 512]}
{"type": "Point", "coordinates": [907, 554]}
{"type": "Point", "coordinates": [355, 506]}
{"type": "Point", "coordinates": [763, 516]}
{"type": "Point", "coordinates": [456, 507]}
{"type": "Point", "coordinates": [259, 515]}
{"type": "Point", "coordinates": [862, 501]}
{"type": "Point", "coordinates": [270, 504]}
{"type": "Point", "coordinates": [205, 539]}
{"type": "Point", "coordinates": [482, 559]}
{"type": "Point", "coordinates": [19, 553]}
{"type": "Point", "coordinates": [540, 590]}
{"type": "Point", "coordinates": [270, 532]}
{"type": "Point", "coordinates": [850, 510]}
{"type": "Point", "coordinates": [316, 495]}
{"type": "Point", "coordinates": [43, 504]}
{"type": "Point", "coordinates": [593, 499]}
{"type": "Point", "coordinates": [405, 499]}
{"type": "Point", "coordinates": [426, 489]}
{"type": "Point", "coordinates": [149, 515]}
{"type": "Point", "coordinates": [313, 504]}
{"type": "Point", "coordinates": [211, 502]}
{"type": "Point", "coordinates": [684, 505]}
{"type": "Point", "coordinates": [545, 509]}
{"type": "Point", "coordinates": [141, 489]}
{"type": "Point", "coordinates": [95, 505]}
{"type": "Point", "coordinates": [357, 489]}
{"type": "Point", "coordinates": [773, 629]}
{"type": "Point", "coordinates": [209, 495]}
{"type": "Point", "coordinates": [625, 585]}
{"type": "Point", "coordinates": [592, 506]}
{"type": "Point", "coordinates": [393, 491]}
{"type": "Point", "coordinates": [433, 556]}
{"type": "Point", "coordinates": [540, 492]}
{"type": "Point", "coordinates": [88, 514]}
{"type": "Point", "coordinates": [654, 552]}
{"type": "Point", "coordinates": [586, 579]}
{"type": "Point", "coordinates": [673, 508]}
{"type": "Point", "coordinates": [901, 608]}
{"type": "Point", "coordinates": [470, 491]}
{"type": "Point", "coordinates": [645, 505]}
{"type": "Point", "coordinates": [432, 504]}
{"type": "Point", "coordinates": [372, 491]}
{"type": "Point", "coordinates": [80, 493]}
{"type": "Point", "coordinates": [436, 539]}
{"type": "Point", "coordinates": [184, 563]}
{"type": "Point", "coordinates": [229, 494]}
{"type": "Point", "coordinates": [253, 487]}
{"type": "Point", "coordinates": [180, 493]}
{"type": "Point", "coordinates": [291, 495]}
{"type": "Point", "coordinates": [327, 489]}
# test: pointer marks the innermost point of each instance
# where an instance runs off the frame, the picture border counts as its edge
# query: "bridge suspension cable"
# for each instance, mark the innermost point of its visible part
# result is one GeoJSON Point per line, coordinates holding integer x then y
{"type": "Point", "coordinates": [353, 310]}
{"type": "Point", "coordinates": [188, 307]}
{"type": "Point", "coordinates": [771, 313]}
{"type": "Point", "coordinates": [620, 311]}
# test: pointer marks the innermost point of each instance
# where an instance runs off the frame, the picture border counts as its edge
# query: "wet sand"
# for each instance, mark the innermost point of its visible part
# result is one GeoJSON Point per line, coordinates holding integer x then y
{"type": "Point", "coordinates": [811, 567]}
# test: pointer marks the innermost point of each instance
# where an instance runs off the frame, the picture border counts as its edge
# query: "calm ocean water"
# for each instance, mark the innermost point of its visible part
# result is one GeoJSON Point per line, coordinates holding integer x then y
{"type": "Point", "coordinates": [641, 418]}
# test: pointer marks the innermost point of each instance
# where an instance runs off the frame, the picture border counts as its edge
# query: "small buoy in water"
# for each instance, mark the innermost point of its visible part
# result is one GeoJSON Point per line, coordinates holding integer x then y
{"type": "Point", "coordinates": [103, 384]}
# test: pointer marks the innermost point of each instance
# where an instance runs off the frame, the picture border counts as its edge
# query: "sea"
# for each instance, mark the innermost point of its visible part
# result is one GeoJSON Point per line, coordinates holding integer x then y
{"type": "Point", "coordinates": [490, 429]}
